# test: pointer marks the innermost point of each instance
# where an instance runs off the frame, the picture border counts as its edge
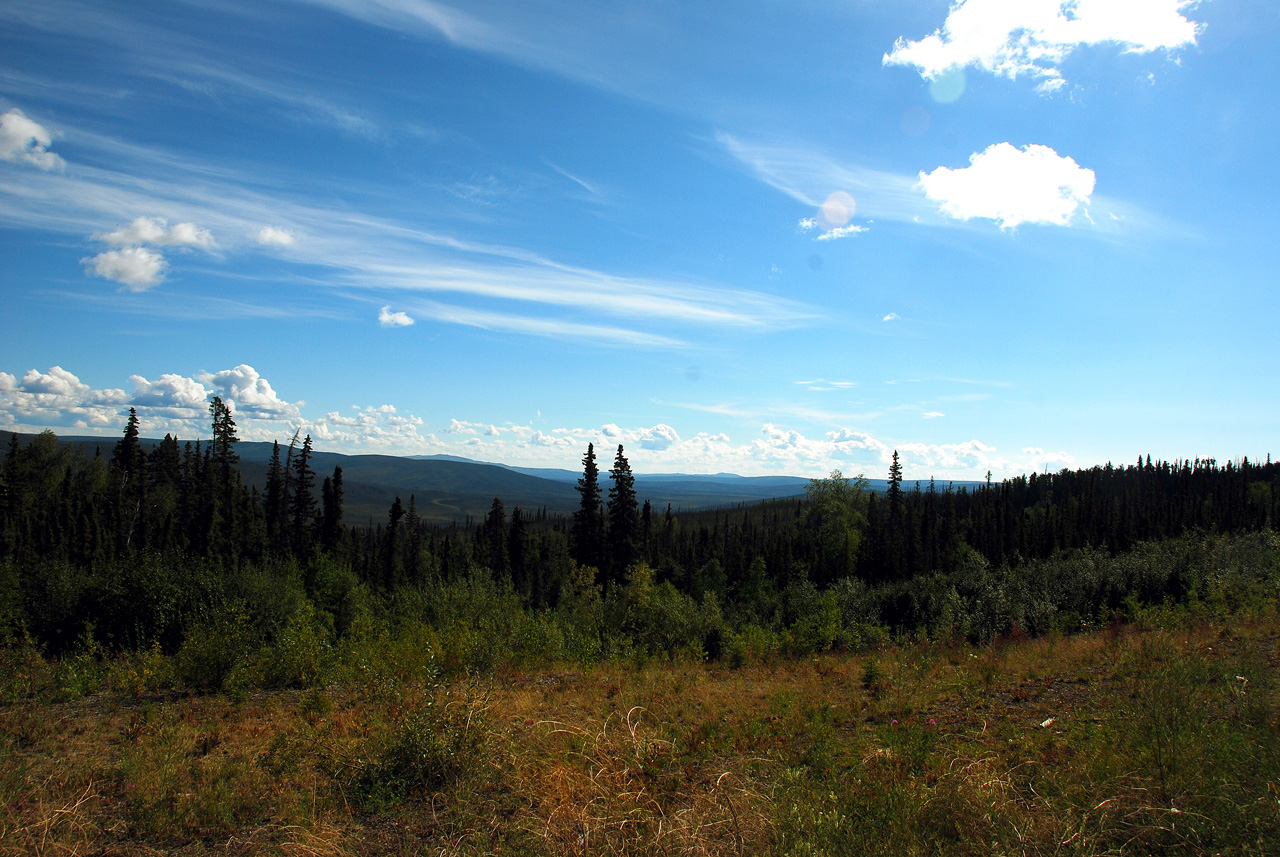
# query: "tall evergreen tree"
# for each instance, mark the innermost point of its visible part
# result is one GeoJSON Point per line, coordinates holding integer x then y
{"type": "Point", "coordinates": [331, 509]}
{"type": "Point", "coordinates": [276, 509]}
{"type": "Point", "coordinates": [895, 483]}
{"type": "Point", "coordinates": [391, 562]}
{"type": "Point", "coordinates": [588, 522]}
{"type": "Point", "coordinates": [495, 539]}
{"type": "Point", "coordinates": [128, 450]}
{"type": "Point", "coordinates": [623, 522]}
{"type": "Point", "coordinates": [303, 503]}
{"type": "Point", "coordinates": [223, 448]}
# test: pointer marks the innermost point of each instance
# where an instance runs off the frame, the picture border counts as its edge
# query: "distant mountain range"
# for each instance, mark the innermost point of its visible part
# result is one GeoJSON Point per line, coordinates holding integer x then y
{"type": "Point", "coordinates": [450, 489]}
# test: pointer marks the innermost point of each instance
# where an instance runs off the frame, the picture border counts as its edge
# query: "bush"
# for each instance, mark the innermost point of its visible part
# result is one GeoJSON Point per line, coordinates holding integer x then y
{"type": "Point", "coordinates": [213, 647]}
{"type": "Point", "coordinates": [434, 748]}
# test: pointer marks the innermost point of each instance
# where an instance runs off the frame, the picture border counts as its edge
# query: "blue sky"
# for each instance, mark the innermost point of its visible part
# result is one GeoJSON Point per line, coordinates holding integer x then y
{"type": "Point", "coordinates": [756, 237]}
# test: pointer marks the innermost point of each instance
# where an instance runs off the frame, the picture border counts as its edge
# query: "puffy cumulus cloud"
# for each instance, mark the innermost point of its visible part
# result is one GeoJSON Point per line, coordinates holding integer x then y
{"type": "Point", "coordinates": [179, 405]}
{"type": "Point", "coordinates": [1012, 186]}
{"type": "Point", "coordinates": [807, 224]}
{"type": "Point", "coordinates": [387, 318]}
{"type": "Point", "coordinates": [659, 437]}
{"type": "Point", "coordinates": [136, 268]}
{"type": "Point", "coordinates": [245, 391]}
{"type": "Point", "coordinates": [381, 429]}
{"type": "Point", "coordinates": [275, 237]}
{"type": "Point", "coordinates": [157, 231]}
{"type": "Point", "coordinates": [139, 267]}
{"type": "Point", "coordinates": [26, 141]}
{"type": "Point", "coordinates": [56, 382]}
{"type": "Point", "coordinates": [893, 316]}
{"type": "Point", "coordinates": [968, 455]}
{"type": "Point", "coordinates": [56, 398]}
{"type": "Point", "coordinates": [848, 440]}
{"type": "Point", "coordinates": [1033, 37]}
{"type": "Point", "coordinates": [473, 429]}
{"type": "Point", "coordinates": [171, 395]}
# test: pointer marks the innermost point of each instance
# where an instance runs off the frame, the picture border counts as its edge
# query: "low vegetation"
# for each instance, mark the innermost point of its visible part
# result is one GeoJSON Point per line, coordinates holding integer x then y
{"type": "Point", "coordinates": [1082, 664]}
{"type": "Point", "coordinates": [1158, 735]}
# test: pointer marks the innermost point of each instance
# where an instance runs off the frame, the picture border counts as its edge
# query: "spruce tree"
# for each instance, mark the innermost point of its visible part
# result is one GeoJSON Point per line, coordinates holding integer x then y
{"type": "Point", "coordinates": [128, 450]}
{"type": "Point", "coordinates": [588, 522]}
{"type": "Point", "coordinates": [331, 520]}
{"type": "Point", "coordinates": [303, 506]}
{"type": "Point", "coordinates": [622, 517]}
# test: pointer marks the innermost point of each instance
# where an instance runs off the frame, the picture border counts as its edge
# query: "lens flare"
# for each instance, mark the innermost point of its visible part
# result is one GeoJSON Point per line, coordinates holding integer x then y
{"type": "Point", "coordinates": [948, 86]}
{"type": "Point", "coordinates": [838, 209]}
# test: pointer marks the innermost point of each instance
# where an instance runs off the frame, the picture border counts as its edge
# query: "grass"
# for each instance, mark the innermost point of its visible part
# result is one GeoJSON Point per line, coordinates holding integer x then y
{"type": "Point", "coordinates": [1159, 737]}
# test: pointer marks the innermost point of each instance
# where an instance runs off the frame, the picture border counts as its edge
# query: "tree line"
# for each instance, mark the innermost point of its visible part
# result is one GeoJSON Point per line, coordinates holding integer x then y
{"type": "Point", "coordinates": [140, 546]}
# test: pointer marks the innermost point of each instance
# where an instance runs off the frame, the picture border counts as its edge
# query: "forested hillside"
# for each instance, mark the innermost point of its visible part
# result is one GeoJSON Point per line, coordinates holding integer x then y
{"type": "Point", "coordinates": [144, 548]}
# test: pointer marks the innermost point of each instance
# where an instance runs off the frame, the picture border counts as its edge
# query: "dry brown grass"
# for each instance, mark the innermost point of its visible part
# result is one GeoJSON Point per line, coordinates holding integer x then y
{"type": "Point", "coordinates": [1012, 749]}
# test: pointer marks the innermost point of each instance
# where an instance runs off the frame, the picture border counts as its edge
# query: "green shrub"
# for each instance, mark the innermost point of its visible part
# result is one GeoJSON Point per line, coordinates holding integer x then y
{"type": "Point", "coordinates": [214, 646]}
{"type": "Point", "coordinates": [432, 749]}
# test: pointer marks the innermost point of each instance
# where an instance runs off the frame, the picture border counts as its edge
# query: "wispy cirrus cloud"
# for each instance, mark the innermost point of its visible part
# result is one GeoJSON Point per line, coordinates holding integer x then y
{"type": "Point", "coordinates": [812, 177]}
{"type": "Point", "coordinates": [352, 250]}
{"type": "Point", "coordinates": [1033, 37]}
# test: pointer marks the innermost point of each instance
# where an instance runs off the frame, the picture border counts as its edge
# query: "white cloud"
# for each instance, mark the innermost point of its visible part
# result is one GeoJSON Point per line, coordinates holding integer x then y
{"type": "Point", "coordinates": [807, 224]}
{"type": "Point", "coordinates": [1012, 186]}
{"type": "Point", "coordinates": [178, 404]}
{"type": "Point", "coordinates": [386, 318]}
{"type": "Point", "coordinates": [137, 268]}
{"type": "Point", "coordinates": [375, 428]}
{"type": "Point", "coordinates": [56, 382]}
{"type": "Point", "coordinates": [1012, 37]}
{"type": "Point", "coordinates": [841, 232]}
{"type": "Point", "coordinates": [893, 316]}
{"type": "Point", "coordinates": [272, 236]}
{"type": "Point", "coordinates": [822, 385]}
{"type": "Point", "coordinates": [172, 395]}
{"type": "Point", "coordinates": [932, 415]}
{"type": "Point", "coordinates": [156, 230]}
{"type": "Point", "coordinates": [26, 141]}
{"type": "Point", "coordinates": [244, 390]}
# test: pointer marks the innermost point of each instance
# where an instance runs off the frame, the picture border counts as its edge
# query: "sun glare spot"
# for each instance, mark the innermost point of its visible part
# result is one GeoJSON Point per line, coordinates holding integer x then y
{"type": "Point", "coordinates": [946, 87]}
{"type": "Point", "coordinates": [838, 209]}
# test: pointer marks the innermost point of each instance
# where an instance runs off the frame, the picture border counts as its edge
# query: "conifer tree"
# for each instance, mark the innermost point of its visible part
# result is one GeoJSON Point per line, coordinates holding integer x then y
{"type": "Point", "coordinates": [495, 539]}
{"type": "Point", "coordinates": [622, 517]}
{"type": "Point", "coordinates": [303, 503]}
{"type": "Point", "coordinates": [392, 559]}
{"type": "Point", "coordinates": [275, 504]}
{"type": "Point", "coordinates": [128, 448]}
{"type": "Point", "coordinates": [331, 502]}
{"type": "Point", "coordinates": [588, 522]}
